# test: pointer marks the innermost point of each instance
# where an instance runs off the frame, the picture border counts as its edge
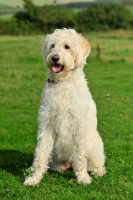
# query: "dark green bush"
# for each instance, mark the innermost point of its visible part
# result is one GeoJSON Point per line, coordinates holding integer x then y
{"type": "Point", "coordinates": [104, 16]}
{"type": "Point", "coordinates": [47, 18]}
{"type": "Point", "coordinates": [53, 17]}
{"type": "Point", "coordinates": [37, 20]}
{"type": "Point", "coordinates": [8, 27]}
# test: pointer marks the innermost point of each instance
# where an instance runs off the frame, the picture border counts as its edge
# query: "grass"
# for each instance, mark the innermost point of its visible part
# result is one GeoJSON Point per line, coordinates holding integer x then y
{"type": "Point", "coordinates": [110, 76]}
{"type": "Point", "coordinates": [131, 8]}
{"type": "Point", "coordinates": [6, 17]}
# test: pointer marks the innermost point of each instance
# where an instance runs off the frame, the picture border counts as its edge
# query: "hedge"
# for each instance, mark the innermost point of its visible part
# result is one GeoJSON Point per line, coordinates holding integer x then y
{"type": "Point", "coordinates": [38, 20]}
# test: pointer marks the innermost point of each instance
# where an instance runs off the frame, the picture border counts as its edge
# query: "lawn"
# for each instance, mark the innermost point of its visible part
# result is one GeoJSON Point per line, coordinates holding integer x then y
{"type": "Point", "coordinates": [110, 79]}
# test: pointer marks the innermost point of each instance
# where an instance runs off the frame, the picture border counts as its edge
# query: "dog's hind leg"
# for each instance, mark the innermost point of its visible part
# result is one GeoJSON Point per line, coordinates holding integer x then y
{"type": "Point", "coordinates": [96, 158]}
{"type": "Point", "coordinates": [41, 160]}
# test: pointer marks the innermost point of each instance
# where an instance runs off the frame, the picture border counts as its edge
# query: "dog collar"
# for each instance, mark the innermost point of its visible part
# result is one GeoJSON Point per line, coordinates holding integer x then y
{"type": "Point", "coordinates": [51, 81]}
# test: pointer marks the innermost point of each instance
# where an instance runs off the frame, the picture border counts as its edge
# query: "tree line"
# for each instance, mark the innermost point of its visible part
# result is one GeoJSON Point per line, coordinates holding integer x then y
{"type": "Point", "coordinates": [38, 20]}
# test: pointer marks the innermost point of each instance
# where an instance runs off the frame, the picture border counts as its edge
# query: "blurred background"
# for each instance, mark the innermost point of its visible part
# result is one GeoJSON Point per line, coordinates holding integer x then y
{"type": "Point", "coordinates": [26, 17]}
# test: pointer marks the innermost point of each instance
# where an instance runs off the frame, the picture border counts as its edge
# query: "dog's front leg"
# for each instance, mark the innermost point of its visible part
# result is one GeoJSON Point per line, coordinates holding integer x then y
{"type": "Point", "coordinates": [80, 165]}
{"type": "Point", "coordinates": [41, 160]}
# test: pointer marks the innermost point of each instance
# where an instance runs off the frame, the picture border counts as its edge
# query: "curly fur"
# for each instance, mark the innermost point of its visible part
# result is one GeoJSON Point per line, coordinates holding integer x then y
{"type": "Point", "coordinates": [67, 116]}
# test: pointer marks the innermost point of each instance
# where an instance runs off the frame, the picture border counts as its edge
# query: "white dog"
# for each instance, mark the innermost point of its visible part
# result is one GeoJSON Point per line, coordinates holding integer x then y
{"type": "Point", "coordinates": [67, 136]}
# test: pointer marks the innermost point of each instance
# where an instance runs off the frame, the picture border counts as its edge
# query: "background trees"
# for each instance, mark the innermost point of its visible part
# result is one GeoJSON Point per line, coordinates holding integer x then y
{"type": "Point", "coordinates": [98, 16]}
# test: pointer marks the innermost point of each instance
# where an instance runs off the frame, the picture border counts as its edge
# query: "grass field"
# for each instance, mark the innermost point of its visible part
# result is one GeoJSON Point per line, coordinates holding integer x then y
{"type": "Point", "coordinates": [110, 77]}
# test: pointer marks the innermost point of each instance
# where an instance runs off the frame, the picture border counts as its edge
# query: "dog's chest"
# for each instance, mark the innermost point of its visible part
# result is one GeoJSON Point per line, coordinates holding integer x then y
{"type": "Point", "coordinates": [64, 121]}
{"type": "Point", "coordinates": [66, 107]}
{"type": "Point", "coordinates": [65, 111]}
{"type": "Point", "coordinates": [63, 107]}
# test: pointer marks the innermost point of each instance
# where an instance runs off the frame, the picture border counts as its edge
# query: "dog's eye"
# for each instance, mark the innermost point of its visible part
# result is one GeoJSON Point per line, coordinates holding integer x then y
{"type": "Point", "coordinates": [52, 46]}
{"type": "Point", "coordinates": [67, 47]}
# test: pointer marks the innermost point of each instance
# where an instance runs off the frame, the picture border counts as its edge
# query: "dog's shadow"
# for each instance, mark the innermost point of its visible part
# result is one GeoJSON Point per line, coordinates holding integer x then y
{"type": "Point", "coordinates": [15, 162]}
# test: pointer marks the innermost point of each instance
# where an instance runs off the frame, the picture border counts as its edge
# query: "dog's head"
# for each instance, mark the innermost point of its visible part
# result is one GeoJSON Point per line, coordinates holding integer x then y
{"type": "Point", "coordinates": [64, 51]}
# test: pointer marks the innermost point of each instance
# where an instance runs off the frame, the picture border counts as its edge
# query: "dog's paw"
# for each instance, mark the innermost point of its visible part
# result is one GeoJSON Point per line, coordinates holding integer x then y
{"type": "Point", "coordinates": [99, 171]}
{"type": "Point", "coordinates": [31, 180]}
{"type": "Point", "coordinates": [86, 180]}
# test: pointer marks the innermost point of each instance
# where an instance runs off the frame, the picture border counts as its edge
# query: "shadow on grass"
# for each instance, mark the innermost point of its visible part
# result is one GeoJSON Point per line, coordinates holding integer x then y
{"type": "Point", "coordinates": [15, 162]}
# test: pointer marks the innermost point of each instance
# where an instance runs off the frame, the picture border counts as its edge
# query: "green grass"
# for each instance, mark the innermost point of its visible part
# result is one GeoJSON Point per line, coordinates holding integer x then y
{"type": "Point", "coordinates": [110, 77]}
{"type": "Point", "coordinates": [6, 17]}
{"type": "Point", "coordinates": [131, 8]}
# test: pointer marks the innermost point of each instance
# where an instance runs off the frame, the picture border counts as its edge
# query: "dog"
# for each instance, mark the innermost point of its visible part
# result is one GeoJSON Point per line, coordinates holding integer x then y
{"type": "Point", "coordinates": [67, 135]}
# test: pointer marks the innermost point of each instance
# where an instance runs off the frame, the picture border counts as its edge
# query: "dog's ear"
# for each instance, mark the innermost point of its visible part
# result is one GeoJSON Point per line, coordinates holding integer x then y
{"type": "Point", "coordinates": [45, 47]}
{"type": "Point", "coordinates": [83, 51]}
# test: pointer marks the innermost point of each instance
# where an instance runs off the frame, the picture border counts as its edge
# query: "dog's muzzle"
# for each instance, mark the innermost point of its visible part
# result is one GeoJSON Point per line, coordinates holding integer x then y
{"type": "Point", "coordinates": [56, 66]}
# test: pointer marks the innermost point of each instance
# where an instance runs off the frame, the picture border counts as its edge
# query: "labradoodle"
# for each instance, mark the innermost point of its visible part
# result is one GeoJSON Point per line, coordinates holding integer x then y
{"type": "Point", "coordinates": [67, 135]}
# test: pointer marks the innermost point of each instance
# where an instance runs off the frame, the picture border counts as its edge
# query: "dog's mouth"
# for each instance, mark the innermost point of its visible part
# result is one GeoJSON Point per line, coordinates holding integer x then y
{"type": "Point", "coordinates": [57, 68]}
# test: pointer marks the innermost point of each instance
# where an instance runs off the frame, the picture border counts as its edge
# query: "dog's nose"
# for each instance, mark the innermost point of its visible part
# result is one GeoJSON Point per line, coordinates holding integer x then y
{"type": "Point", "coordinates": [55, 58]}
